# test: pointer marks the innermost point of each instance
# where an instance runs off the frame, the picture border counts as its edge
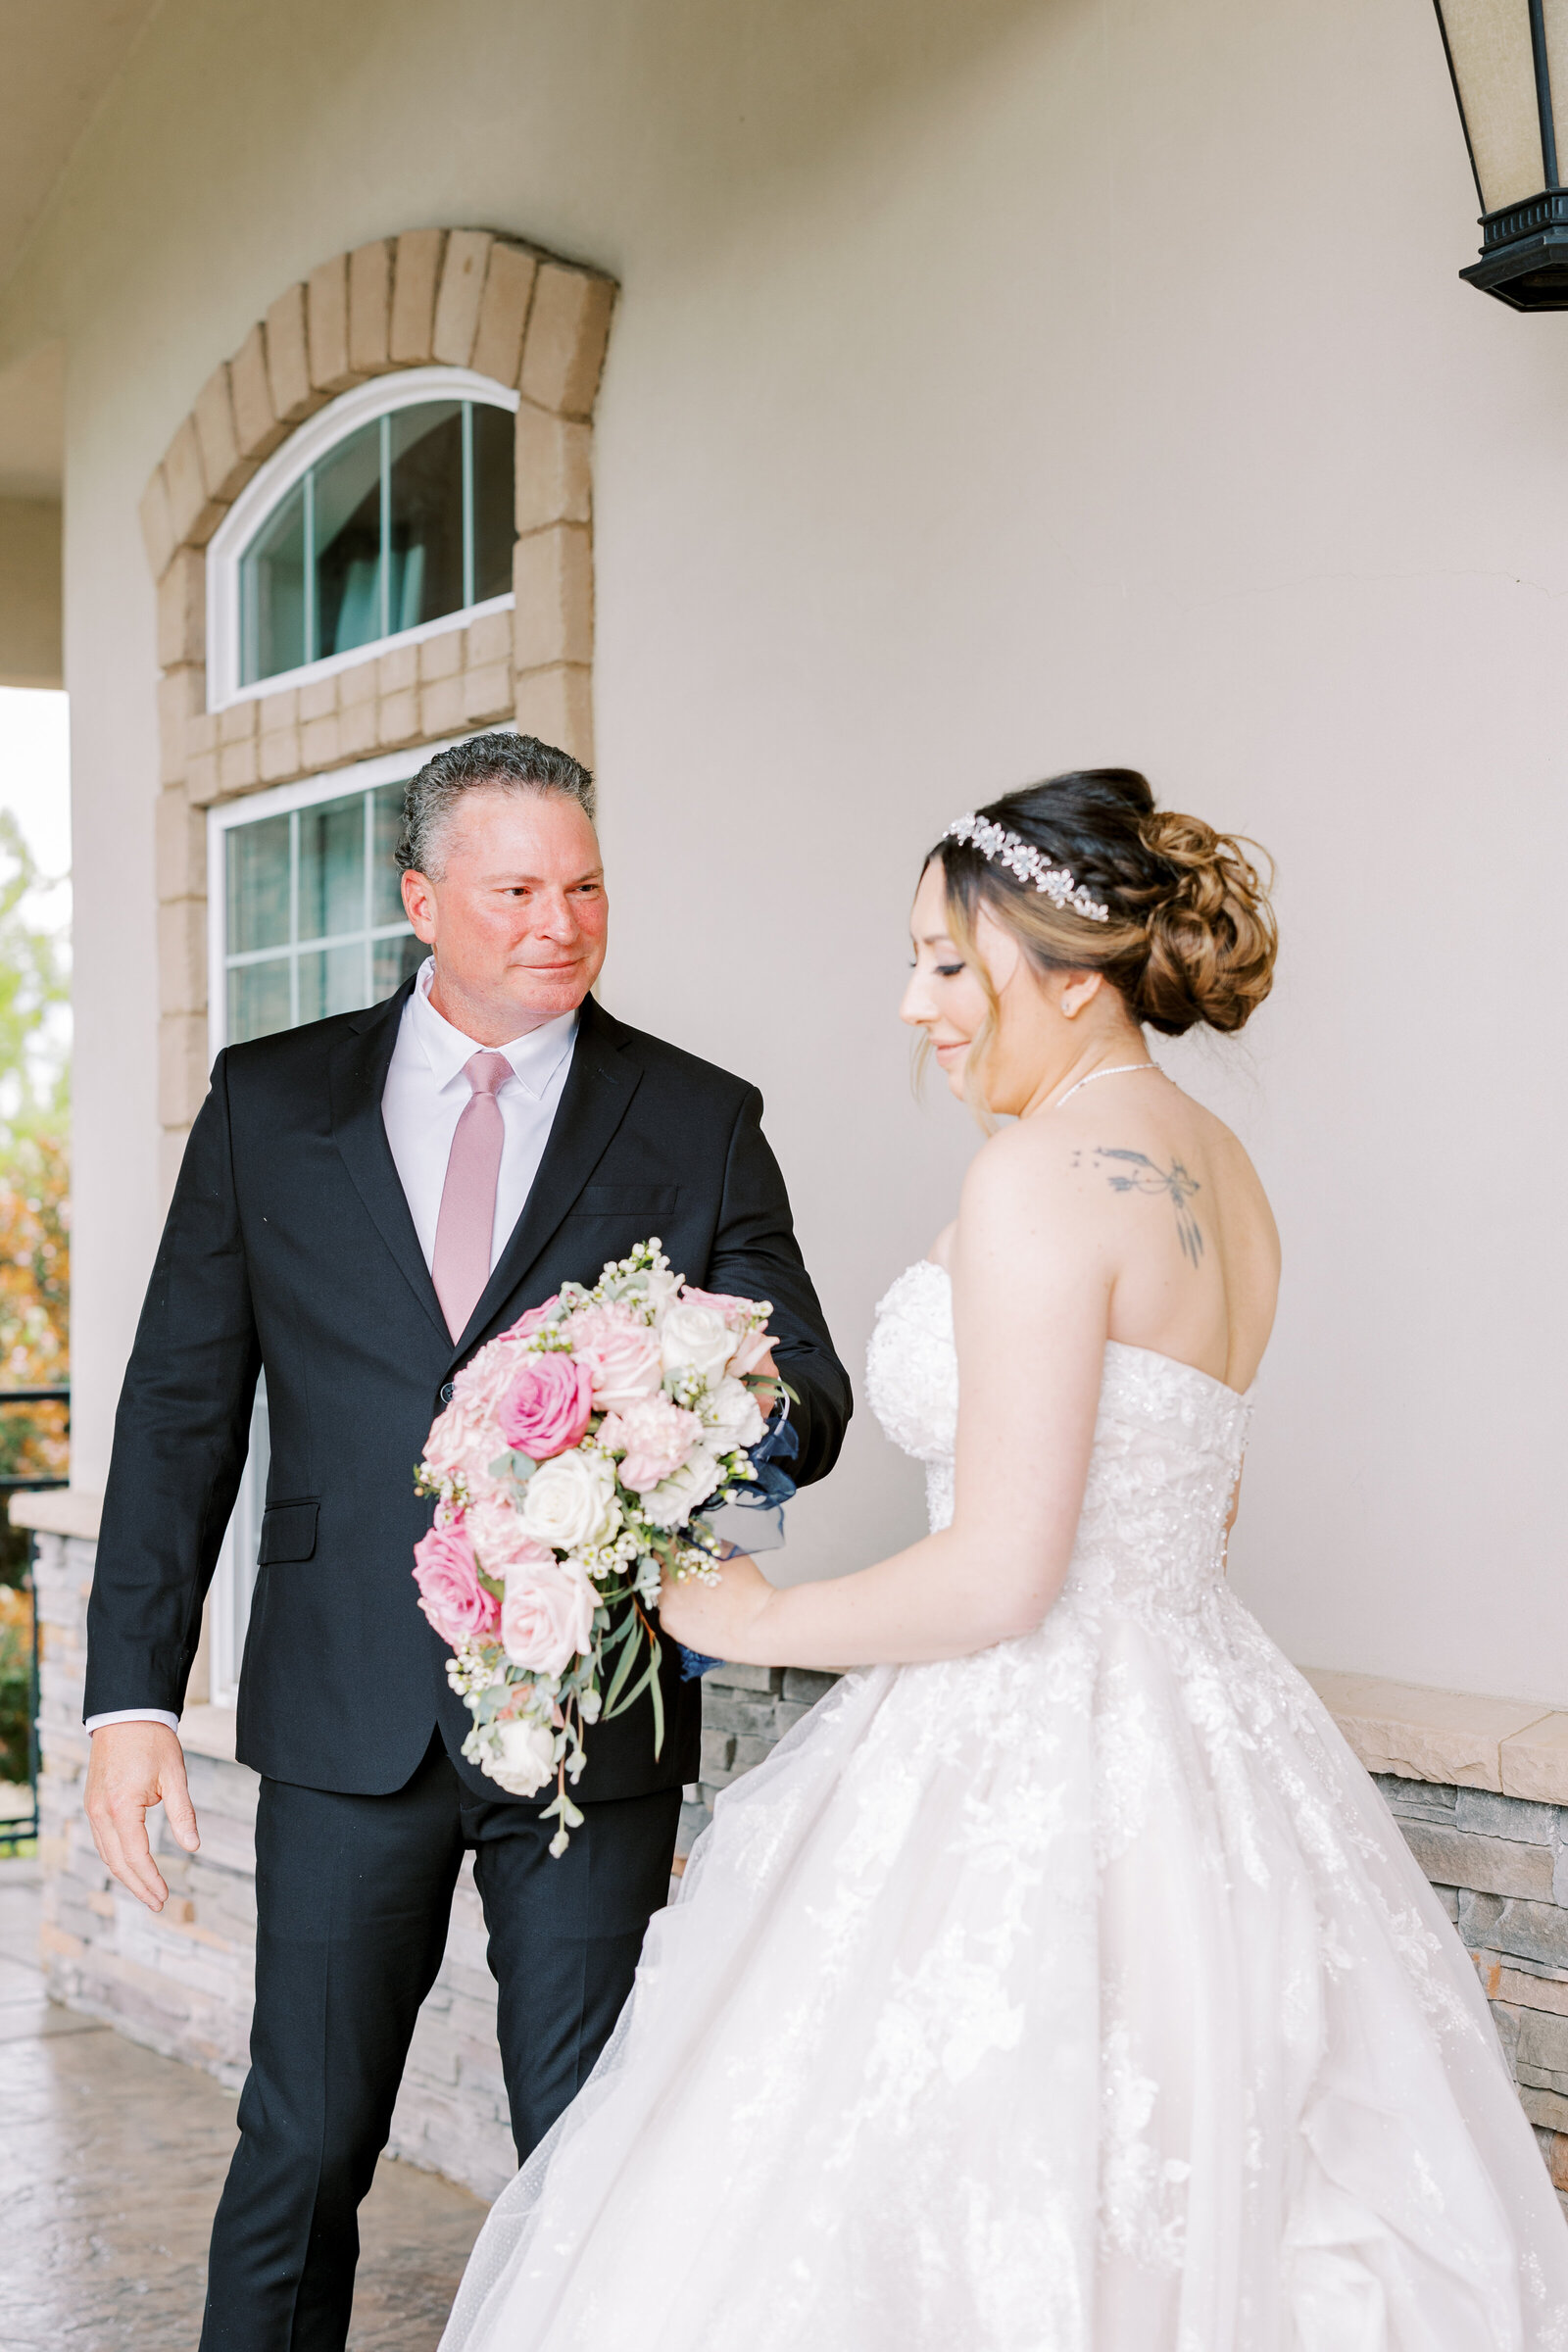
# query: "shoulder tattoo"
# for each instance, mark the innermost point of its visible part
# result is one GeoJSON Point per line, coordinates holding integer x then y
{"type": "Point", "coordinates": [1138, 1173]}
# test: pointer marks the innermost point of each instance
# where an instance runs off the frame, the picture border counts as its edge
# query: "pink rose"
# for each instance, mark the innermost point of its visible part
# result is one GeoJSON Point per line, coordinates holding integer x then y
{"type": "Point", "coordinates": [466, 1438]}
{"type": "Point", "coordinates": [548, 1614]}
{"type": "Point", "coordinates": [656, 1437]}
{"type": "Point", "coordinates": [548, 1405]}
{"type": "Point", "coordinates": [621, 1352]}
{"type": "Point", "coordinates": [750, 1346]}
{"type": "Point", "coordinates": [534, 1320]}
{"type": "Point", "coordinates": [450, 1592]}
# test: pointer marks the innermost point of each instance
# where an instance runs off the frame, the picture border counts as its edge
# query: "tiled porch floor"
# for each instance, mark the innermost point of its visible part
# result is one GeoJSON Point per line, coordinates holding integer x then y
{"type": "Point", "coordinates": [111, 2161]}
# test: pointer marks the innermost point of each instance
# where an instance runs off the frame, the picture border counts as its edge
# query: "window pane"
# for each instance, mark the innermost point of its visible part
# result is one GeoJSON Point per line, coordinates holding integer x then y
{"type": "Point", "coordinates": [331, 980]}
{"type": "Point", "coordinates": [257, 1000]}
{"type": "Point", "coordinates": [427, 513]}
{"type": "Point", "coordinates": [272, 594]}
{"type": "Point", "coordinates": [395, 960]}
{"type": "Point", "coordinates": [386, 897]}
{"type": "Point", "coordinates": [333, 869]}
{"type": "Point", "coordinates": [257, 886]}
{"type": "Point", "coordinates": [495, 439]}
{"type": "Point", "coordinates": [348, 544]}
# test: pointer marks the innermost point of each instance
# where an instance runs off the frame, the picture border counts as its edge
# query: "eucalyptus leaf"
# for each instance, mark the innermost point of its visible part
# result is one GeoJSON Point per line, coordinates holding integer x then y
{"type": "Point", "coordinates": [629, 1660]}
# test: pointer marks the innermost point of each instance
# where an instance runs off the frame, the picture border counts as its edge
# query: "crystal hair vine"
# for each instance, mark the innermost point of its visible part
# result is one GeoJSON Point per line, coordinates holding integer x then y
{"type": "Point", "coordinates": [1031, 866]}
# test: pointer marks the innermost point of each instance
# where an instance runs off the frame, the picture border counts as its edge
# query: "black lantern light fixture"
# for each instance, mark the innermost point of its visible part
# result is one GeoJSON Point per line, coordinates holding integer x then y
{"type": "Point", "coordinates": [1506, 56]}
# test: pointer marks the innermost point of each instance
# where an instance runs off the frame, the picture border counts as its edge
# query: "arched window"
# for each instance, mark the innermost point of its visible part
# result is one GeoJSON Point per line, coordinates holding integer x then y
{"type": "Point", "coordinates": [388, 516]}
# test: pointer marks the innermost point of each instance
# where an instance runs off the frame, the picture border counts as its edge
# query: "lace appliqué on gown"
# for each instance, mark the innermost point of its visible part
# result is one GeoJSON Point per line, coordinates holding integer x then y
{"type": "Point", "coordinates": [1076, 1997]}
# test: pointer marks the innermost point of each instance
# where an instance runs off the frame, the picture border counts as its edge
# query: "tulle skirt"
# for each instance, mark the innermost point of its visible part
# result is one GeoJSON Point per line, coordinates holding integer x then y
{"type": "Point", "coordinates": [1079, 1996]}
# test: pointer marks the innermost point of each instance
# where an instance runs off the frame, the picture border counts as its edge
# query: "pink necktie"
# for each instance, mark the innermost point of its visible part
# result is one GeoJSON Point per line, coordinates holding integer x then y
{"type": "Point", "coordinates": [464, 1228]}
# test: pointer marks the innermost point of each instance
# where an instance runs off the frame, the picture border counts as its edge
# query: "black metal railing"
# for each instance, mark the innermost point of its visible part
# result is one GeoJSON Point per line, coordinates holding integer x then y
{"type": "Point", "coordinates": [22, 1830]}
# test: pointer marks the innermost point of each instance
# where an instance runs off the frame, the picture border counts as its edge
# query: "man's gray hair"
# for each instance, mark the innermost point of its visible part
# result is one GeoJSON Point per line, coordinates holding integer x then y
{"type": "Point", "coordinates": [494, 763]}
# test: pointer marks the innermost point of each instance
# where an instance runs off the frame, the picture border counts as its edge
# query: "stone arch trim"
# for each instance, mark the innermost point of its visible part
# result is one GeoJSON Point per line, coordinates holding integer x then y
{"type": "Point", "coordinates": [463, 298]}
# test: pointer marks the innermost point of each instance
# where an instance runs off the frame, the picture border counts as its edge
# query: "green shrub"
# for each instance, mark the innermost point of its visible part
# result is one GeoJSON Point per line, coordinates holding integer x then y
{"type": "Point", "coordinates": [16, 1690]}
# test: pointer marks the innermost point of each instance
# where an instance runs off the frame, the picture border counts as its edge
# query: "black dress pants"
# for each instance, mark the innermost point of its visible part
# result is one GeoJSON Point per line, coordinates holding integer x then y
{"type": "Point", "coordinates": [353, 1895]}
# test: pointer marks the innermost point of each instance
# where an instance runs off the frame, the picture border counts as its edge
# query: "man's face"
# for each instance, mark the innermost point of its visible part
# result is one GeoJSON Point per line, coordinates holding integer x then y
{"type": "Point", "coordinates": [517, 916]}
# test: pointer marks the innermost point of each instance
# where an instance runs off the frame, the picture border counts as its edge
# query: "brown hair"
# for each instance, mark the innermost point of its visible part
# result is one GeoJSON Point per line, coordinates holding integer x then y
{"type": "Point", "coordinates": [1192, 936]}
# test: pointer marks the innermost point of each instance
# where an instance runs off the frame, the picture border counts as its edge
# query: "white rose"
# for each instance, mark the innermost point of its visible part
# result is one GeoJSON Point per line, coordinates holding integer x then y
{"type": "Point", "coordinates": [523, 1757]}
{"type": "Point", "coordinates": [674, 1498]}
{"type": "Point", "coordinates": [733, 1415]}
{"type": "Point", "coordinates": [696, 1339]}
{"type": "Point", "coordinates": [569, 1502]}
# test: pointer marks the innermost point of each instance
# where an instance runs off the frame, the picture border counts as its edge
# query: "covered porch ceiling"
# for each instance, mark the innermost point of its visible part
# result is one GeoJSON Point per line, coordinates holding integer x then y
{"type": "Point", "coordinates": [57, 62]}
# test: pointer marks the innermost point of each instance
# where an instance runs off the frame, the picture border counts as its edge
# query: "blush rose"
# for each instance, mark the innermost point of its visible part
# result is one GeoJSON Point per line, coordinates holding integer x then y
{"type": "Point", "coordinates": [621, 1351]}
{"type": "Point", "coordinates": [548, 1614]}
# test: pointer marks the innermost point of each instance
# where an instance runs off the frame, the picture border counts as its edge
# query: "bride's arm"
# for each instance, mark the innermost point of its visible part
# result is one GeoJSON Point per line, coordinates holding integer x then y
{"type": "Point", "coordinates": [1031, 1282]}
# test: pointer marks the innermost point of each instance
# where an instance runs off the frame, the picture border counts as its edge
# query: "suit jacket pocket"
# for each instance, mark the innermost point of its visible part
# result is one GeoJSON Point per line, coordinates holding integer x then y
{"type": "Point", "coordinates": [626, 1199]}
{"type": "Point", "coordinates": [288, 1533]}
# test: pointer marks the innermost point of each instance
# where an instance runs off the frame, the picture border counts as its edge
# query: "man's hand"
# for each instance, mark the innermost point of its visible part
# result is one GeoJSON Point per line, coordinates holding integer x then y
{"type": "Point", "coordinates": [132, 1767]}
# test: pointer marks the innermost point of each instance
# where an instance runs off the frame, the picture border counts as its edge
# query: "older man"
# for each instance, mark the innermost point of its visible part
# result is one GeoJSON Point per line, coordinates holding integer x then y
{"type": "Point", "coordinates": [363, 1203]}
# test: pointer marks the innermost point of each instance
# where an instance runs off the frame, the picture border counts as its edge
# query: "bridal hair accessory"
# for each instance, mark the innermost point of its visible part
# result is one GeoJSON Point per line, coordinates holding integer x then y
{"type": "Point", "coordinates": [1030, 865]}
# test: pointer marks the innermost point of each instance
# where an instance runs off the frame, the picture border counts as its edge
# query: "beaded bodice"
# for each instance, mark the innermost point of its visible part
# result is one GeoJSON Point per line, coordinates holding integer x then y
{"type": "Point", "coordinates": [1168, 1446]}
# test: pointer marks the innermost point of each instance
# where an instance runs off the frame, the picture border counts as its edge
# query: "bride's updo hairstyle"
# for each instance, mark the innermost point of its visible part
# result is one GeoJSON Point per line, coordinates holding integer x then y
{"type": "Point", "coordinates": [1191, 935]}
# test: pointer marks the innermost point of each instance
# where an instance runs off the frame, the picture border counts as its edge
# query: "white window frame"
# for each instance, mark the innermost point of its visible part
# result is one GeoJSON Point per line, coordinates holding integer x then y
{"type": "Point", "coordinates": [235, 1577]}
{"type": "Point", "coordinates": [382, 396]}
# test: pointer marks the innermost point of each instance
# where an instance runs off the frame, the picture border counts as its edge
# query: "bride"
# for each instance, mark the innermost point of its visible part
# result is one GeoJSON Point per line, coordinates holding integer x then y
{"type": "Point", "coordinates": [1061, 1984]}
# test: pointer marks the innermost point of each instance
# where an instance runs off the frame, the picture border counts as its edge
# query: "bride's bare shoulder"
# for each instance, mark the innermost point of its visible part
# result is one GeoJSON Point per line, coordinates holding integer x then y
{"type": "Point", "coordinates": [1028, 1178]}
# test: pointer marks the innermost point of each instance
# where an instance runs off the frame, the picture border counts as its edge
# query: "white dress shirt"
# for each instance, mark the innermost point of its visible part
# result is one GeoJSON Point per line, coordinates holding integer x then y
{"type": "Point", "coordinates": [426, 1093]}
{"type": "Point", "coordinates": [425, 1097]}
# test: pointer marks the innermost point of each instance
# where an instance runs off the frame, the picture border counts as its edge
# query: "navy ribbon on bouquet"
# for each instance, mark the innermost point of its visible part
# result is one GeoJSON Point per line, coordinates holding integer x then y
{"type": "Point", "coordinates": [765, 1495]}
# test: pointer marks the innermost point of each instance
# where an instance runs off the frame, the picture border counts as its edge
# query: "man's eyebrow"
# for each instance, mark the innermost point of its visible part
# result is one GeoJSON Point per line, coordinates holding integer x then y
{"type": "Point", "coordinates": [593, 873]}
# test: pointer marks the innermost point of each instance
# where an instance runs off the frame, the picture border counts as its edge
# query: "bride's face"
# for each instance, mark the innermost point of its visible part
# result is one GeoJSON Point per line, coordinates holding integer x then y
{"type": "Point", "coordinates": [946, 998]}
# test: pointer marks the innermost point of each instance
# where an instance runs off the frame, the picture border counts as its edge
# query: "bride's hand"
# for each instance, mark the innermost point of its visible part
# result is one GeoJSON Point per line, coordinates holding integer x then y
{"type": "Point", "coordinates": [716, 1618]}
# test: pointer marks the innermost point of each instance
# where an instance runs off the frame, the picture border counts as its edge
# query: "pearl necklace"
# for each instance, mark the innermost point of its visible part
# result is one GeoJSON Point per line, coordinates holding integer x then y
{"type": "Point", "coordinates": [1120, 1069]}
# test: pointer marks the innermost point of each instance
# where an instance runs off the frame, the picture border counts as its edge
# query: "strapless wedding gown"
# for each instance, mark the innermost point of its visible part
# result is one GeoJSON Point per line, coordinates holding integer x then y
{"type": "Point", "coordinates": [1076, 1997]}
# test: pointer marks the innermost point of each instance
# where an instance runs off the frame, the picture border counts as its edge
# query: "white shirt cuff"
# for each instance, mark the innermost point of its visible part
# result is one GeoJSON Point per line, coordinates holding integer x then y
{"type": "Point", "coordinates": [96, 1722]}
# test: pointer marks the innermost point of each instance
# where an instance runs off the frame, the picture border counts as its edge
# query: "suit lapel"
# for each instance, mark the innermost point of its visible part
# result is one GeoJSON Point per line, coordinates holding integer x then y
{"type": "Point", "coordinates": [357, 1079]}
{"type": "Point", "coordinates": [599, 1085]}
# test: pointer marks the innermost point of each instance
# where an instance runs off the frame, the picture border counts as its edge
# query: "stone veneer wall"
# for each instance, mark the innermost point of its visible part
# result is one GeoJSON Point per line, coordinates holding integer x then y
{"type": "Point", "coordinates": [181, 1982]}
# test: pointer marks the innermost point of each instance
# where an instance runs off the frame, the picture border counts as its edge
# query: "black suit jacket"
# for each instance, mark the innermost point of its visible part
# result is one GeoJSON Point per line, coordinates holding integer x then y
{"type": "Point", "coordinates": [289, 1247]}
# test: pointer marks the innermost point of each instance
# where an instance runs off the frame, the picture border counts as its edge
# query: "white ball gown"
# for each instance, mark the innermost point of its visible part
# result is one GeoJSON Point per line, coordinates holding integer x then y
{"type": "Point", "coordinates": [1076, 1997]}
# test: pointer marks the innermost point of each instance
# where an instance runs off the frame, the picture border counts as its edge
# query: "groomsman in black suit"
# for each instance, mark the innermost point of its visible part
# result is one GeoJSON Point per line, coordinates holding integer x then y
{"type": "Point", "coordinates": [306, 1240]}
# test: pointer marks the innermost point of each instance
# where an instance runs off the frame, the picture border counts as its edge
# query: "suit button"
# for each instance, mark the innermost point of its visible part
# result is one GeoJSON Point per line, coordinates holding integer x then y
{"type": "Point", "coordinates": [447, 1393]}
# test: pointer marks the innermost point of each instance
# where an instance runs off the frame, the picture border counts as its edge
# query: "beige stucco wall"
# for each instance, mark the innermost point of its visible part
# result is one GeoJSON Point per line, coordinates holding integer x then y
{"type": "Point", "coordinates": [991, 389]}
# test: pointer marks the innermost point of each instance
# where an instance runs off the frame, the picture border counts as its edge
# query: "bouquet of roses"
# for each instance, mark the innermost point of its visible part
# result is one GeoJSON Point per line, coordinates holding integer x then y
{"type": "Point", "coordinates": [572, 1468]}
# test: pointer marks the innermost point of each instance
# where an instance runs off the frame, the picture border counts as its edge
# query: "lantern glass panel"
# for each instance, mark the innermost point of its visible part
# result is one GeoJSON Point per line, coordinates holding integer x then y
{"type": "Point", "coordinates": [1493, 64]}
{"type": "Point", "coordinates": [1555, 13]}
